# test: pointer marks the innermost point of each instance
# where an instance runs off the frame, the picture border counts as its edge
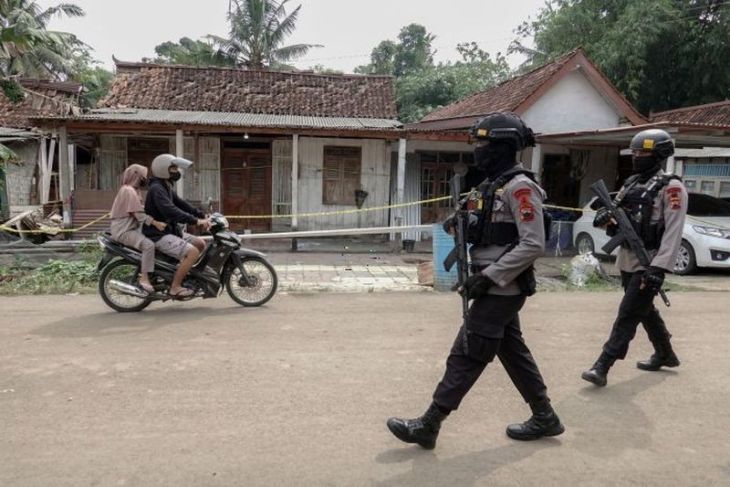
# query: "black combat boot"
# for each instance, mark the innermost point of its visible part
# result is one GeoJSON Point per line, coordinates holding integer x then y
{"type": "Point", "coordinates": [663, 356]}
{"type": "Point", "coordinates": [599, 372]}
{"type": "Point", "coordinates": [422, 430]}
{"type": "Point", "coordinates": [544, 422]}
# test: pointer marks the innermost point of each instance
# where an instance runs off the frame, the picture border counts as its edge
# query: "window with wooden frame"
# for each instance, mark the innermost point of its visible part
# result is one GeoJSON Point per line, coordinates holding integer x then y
{"type": "Point", "coordinates": [341, 175]}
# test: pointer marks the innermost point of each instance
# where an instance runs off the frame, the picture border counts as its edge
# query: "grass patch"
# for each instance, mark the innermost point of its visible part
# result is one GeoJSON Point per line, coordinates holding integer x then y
{"type": "Point", "coordinates": [55, 277]}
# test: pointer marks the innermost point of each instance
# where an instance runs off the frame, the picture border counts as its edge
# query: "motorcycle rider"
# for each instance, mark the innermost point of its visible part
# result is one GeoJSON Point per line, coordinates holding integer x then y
{"type": "Point", "coordinates": [163, 204]}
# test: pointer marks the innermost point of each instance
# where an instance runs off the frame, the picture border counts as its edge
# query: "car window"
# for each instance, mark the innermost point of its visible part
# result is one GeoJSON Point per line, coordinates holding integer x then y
{"type": "Point", "coordinates": [705, 205]}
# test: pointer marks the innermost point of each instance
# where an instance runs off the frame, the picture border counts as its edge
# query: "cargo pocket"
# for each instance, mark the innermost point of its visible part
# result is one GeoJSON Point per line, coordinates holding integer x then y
{"type": "Point", "coordinates": [480, 348]}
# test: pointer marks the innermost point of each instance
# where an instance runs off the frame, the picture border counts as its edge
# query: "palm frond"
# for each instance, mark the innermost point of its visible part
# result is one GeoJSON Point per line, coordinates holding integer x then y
{"type": "Point", "coordinates": [292, 52]}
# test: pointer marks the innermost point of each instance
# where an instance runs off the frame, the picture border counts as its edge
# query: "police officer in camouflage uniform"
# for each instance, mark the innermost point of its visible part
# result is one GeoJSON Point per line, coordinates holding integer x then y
{"type": "Point", "coordinates": [656, 204]}
{"type": "Point", "coordinates": [507, 236]}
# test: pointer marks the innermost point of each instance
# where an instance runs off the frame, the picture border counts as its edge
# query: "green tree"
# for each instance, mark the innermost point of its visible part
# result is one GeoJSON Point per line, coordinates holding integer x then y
{"type": "Point", "coordinates": [258, 31]}
{"type": "Point", "coordinates": [414, 50]}
{"type": "Point", "coordinates": [27, 48]}
{"type": "Point", "coordinates": [382, 60]}
{"type": "Point", "coordinates": [412, 53]}
{"type": "Point", "coordinates": [424, 91]}
{"type": "Point", "coordinates": [661, 54]}
{"type": "Point", "coordinates": [95, 79]}
{"type": "Point", "coordinates": [190, 53]}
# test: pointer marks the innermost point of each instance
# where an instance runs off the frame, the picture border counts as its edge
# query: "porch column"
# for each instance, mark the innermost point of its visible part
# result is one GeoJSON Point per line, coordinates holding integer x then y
{"type": "Point", "coordinates": [180, 152]}
{"type": "Point", "coordinates": [400, 188]}
{"type": "Point", "coordinates": [536, 164]}
{"type": "Point", "coordinates": [295, 182]}
{"type": "Point", "coordinates": [64, 175]}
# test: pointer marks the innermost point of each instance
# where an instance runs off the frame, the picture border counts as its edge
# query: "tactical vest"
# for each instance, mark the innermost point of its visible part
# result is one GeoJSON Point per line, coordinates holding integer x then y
{"type": "Point", "coordinates": [484, 231]}
{"type": "Point", "coordinates": [638, 203]}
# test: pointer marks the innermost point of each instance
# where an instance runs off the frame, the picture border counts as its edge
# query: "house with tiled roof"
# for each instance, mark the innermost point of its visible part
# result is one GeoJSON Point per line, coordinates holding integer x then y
{"type": "Point", "coordinates": [31, 178]}
{"type": "Point", "coordinates": [264, 142]}
{"type": "Point", "coordinates": [705, 169]}
{"type": "Point", "coordinates": [583, 126]}
{"type": "Point", "coordinates": [568, 94]}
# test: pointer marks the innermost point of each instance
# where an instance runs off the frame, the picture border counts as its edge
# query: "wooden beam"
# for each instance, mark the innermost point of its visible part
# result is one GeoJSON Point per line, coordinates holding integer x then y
{"type": "Point", "coordinates": [180, 152]}
{"type": "Point", "coordinates": [64, 175]}
{"type": "Point", "coordinates": [137, 128]}
{"type": "Point", "coordinates": [295, 181]}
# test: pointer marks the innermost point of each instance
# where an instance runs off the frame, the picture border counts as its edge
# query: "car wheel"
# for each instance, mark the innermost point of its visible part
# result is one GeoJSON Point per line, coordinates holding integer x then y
{"type": "Point", "coordinates": [584, 244]}
{"type": "Point", "coordinates": [686, 261]}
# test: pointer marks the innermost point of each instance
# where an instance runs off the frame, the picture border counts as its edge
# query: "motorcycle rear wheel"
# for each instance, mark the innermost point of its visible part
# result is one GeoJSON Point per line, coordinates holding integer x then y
{"type": "Point", "coordinates": [126, 272]}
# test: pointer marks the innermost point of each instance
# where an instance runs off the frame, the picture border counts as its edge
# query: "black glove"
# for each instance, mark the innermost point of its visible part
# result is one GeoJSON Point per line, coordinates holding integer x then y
{"type": "Point", "coordinates": [603, 218]}
{"type": "Point", "coordinates": [476, 286]}
{"type": "Point", "coordinates": [654, 279]}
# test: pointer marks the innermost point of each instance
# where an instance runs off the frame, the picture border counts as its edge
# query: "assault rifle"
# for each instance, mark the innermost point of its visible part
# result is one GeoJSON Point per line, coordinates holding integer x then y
{"type": "Point", "coordinates": [459, 255]}
{"type": "Point", "coordinates": [626, 232]}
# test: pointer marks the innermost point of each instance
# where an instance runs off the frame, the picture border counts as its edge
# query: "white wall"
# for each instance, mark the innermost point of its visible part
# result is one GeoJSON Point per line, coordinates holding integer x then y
{"type": "Point", "coordinates": [573, 104]}
{"type": "Point", "coordinates": [375, 179]}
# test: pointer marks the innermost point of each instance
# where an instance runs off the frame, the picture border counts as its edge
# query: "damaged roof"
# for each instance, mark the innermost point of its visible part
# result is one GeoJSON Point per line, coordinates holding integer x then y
{"type": "Point", "coordinates": [228, 90]}
{"type": "Point", "coordinates": [41, 98]}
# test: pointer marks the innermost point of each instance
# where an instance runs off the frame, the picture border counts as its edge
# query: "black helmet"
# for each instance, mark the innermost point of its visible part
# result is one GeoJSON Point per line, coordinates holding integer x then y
{"type": "Point", "coordinates": [503, 127]}
{"type": "Point", "coordinates": [658, 141]}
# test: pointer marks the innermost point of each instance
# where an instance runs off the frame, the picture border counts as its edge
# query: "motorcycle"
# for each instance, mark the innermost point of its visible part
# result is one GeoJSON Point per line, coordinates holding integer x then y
{"type": "Point", "coordinates": [246, 274]}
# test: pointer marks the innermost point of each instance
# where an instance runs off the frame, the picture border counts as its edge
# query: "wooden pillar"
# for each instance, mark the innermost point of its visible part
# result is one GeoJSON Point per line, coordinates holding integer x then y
{"type": "Point", "coordinates": [180, 152]}
{"type": "Point", "coordinates": [400, 189]}
{"type": "Point", "coordinates": [64, 175]}
{"type": "Point", "coordinates": [536, 164]}
{"type": "Point", "coordinates": [294, 188]}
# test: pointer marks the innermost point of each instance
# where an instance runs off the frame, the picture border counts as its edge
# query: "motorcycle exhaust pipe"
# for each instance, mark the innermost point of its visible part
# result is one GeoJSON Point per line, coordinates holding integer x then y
{"type": "Point", "coordinates": [125, 288]}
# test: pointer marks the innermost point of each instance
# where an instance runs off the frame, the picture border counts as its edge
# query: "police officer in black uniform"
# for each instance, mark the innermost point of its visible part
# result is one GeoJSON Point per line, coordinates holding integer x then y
{"type": "Point", "coordinates": [656, 204]}
{"type": "Point", "coordinates": [507, 234]}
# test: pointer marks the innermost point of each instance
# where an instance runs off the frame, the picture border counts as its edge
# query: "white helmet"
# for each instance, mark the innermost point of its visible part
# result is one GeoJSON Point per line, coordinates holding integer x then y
{"type": "Point", "coordinates": [160, 167]}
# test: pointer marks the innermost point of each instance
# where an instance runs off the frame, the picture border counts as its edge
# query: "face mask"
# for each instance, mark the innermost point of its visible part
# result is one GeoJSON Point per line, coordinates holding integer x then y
{"type": "Point", "coordinates": [494, 158]}
{"type": "Point", "coordinates": [143, 183]}
{"type": "Point", "coordinates": [175, 176]}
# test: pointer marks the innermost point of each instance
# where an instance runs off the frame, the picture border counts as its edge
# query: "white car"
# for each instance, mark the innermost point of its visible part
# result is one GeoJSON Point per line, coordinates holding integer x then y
{"type": "Point", "coordinates": [705, 239]}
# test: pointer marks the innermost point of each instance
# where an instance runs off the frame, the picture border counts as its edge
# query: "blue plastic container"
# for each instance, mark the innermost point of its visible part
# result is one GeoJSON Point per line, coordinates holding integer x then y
{"type": "Point", "coordinates": [442, 245]}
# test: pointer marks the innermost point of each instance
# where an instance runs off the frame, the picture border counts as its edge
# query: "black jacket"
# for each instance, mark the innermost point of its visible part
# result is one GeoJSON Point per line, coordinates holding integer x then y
{"type": "Point", "coordinates": [164, 205]}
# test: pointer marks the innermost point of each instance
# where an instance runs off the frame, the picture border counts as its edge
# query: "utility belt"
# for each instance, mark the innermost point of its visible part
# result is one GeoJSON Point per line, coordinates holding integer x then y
{"type": "Point", "coordinates": [526, 281]}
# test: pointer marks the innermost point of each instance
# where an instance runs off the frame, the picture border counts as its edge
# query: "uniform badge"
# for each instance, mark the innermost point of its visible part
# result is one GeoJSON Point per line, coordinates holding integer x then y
{"type": "Point", "coordinates": [675, 198]}
{"type": "Point", "coordinates": [527, 209]}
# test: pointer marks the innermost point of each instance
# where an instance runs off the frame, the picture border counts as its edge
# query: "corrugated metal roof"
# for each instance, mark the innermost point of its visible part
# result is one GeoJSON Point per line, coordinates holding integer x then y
{"type": "Point", "coordinates": [10, 133]}
{"type": "Point", "coordinates": [237, 119]}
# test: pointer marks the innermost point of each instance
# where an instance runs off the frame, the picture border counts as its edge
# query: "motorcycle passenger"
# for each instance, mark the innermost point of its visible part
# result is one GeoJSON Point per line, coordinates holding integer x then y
{"type": "Point", "coordinates": [128, 219]}
{"type": "Point", "coordinates": [163, 204]}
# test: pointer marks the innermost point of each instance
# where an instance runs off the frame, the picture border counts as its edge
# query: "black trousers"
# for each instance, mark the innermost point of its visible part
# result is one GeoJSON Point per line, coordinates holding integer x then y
{"type": "Point", "coordinates": [492, 329]}
{"type": "Point", "coordinates": [637, 306]}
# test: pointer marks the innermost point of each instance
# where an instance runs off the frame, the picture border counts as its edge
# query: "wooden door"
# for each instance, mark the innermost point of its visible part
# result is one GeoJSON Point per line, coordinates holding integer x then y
{"type": "Point", "coordinates": [246, 187]}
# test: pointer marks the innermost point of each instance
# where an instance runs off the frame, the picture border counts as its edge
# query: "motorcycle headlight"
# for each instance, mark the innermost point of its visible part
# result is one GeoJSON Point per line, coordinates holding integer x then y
{"type": "Point", "coordinates": [711, 231]}
{"type": "Point", "coordinates": [223, 221]}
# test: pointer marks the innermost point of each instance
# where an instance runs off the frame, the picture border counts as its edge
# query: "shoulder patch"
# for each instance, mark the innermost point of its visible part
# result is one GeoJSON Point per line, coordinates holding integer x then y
{"type": "Point", "coordinates": [527, 209]}
{"type": "Point", "coordinates": [675, 197]}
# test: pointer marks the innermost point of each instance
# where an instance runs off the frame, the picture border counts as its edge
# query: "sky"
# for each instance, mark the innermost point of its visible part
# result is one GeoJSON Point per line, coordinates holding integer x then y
{"type": "Point", "coordinates": [348, 30]}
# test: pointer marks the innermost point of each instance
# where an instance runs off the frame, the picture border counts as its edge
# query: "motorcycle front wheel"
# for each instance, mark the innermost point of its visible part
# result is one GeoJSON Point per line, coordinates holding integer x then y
{"type": "Point", "coordinates": [263, 282]}
{"type": "Point", "coordinates": [125, 273]}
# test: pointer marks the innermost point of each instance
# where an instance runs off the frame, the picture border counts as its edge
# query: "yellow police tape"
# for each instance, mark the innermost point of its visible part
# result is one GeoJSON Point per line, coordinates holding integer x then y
{"type": "Point", "coordinates": [299, 215]}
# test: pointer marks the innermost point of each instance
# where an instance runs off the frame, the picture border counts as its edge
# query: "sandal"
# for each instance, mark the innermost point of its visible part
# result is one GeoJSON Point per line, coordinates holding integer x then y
{"type": "Point", "coordinates": [147, 287]}
{"type": "Point", "coordinates": [182, 293]}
